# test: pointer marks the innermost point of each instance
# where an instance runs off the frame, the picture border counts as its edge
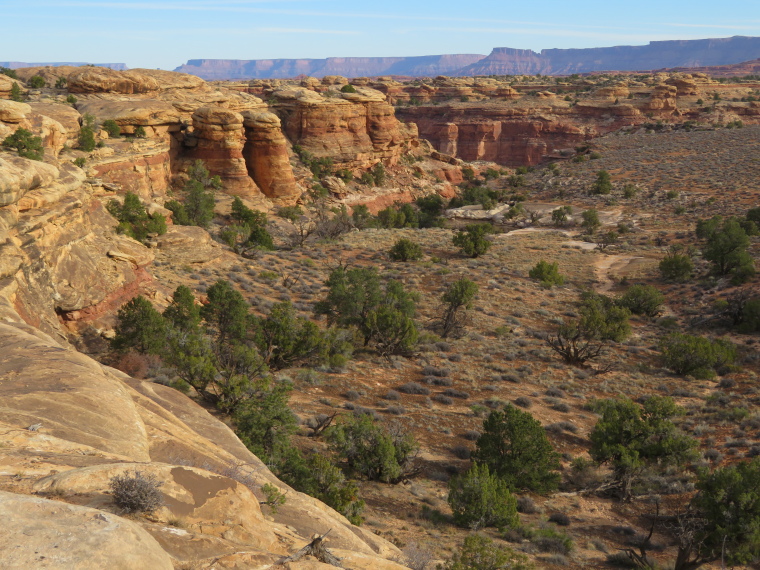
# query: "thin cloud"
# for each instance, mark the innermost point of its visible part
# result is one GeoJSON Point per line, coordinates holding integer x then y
{"type": "Point", "coordinates": [305, 31]}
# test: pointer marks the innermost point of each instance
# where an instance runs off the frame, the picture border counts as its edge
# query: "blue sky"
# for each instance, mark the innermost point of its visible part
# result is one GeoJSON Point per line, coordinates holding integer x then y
{"type": "Point", "coordinates": [166, 33]}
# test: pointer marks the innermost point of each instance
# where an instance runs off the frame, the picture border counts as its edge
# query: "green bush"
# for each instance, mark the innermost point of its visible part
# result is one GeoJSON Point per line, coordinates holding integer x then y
{"type": "Point", "coordinates": [134, 221]}
{"type": "Point", "coordinates": [630, 437]}
{"type": "Point", "coordinates": [9, 72]}
{"type": "Point", "coordinates": [726, 247]}
{"type": "Point", "coordinates": [514, 446]}
{"type": "Point", "coordinates": [430, 210]}
{"type": "Point", "coordinates": [479, 499]}
{"type": "Point", "coordinates": [86, 136]}
{"type": "Point", "coordinates": [481, 553]}
{"type": "Point", "coordinates": [382, 315]}
{"type": "Point", "coordinates": [696, 355]}
{"type": "Point", "coordinates": [547, 273]}
{"type": "Point", "coordinates": [25, 143]}
{"type": "Point", "coordinates": [372, 450]}
{"type": "Point", "coordinates": [405, 250]}
{"type": "Point", "coordinates": [71, 100]}
{"type": "Point", "coordinates": [362, 218]}
{"type": "Point", "coordinates": [603, 183]}
{"type": "Point", "coordinates": [642, 300]}
{"type": "Point", "coordinates": [290, 213]}
{"type": "Point", "coordinates": [725, 516]}
{"type": "Point", "coordinates": [36, 82]}
{"type": "Point", "coordinates": [139, 132]}
{"type": "Point", "coordinates": [456, 300]}
{"type": "Point", "coordinates": [61, 82]}
{"type": "Point", "coordinates": [80, 162]}
{"type": "Point", "coordinates": [472, 240]}
{"type": "Point", "coordinates": [197, 209]}
{"type": "Point", "coordinates": [113, 129]}
{"type": "Point", "coordinates": [348, 88]}
{"type": "Point", "coordinates": [676, 266]}
{"type": "Point", "coordinates": [591, 221]}
{"type": "Point", "coordinates": [559, 216]}
{"type": "Point", "coordinates": [16, 94]}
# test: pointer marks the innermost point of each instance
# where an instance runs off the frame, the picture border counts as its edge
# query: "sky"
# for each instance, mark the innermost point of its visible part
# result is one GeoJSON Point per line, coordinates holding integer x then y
{"type": "Point", "coordinates": [166, 33]}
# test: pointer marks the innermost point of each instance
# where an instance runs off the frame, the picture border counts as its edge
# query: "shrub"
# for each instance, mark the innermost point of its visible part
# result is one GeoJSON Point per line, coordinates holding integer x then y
{"type": "Point", "coordinates": [136, 493]}
{"type": "Point", "coordinates": [139, 132]}
{"type": "Point", "coordinates": [414, 388]}
{"type": "Point", "coordinates": [290, 213]}
{"type": "Point", "coordinates": [514, 446]}
{"type": "Point", "coordinates": [479, 499]}
{"type": "Point", "coordinates": [7, 71]}
{"type": "Point", "coordinates": [560, 519]}
{"type": "Point", "coordinates": [384, 316]}
{"type": "Point", "coordinates": [372, 450]}
{"type": "Point", "coordinates": [630, 437]}
{"type": "Point", "coordinates": [696, 355]}
{"type": "Point", "coordinates": [15, 93]}
{"type": "Point", "coordinates": [405, 250]}
{"type": "Point", "coordinates": [348, 88]}
{"type": "Point", "coordinates": [60, 83]}
{"type": "Point", "coordinates": [591, 221]}
{"type": "Point", "coordinates": [547, 273]}
{"type": "Point", "coordinates": [456, 300]}
{"type": "Point", "coordinates": [559, 216]}
{"type": "Point", "coordinates": [112, 128]}
{"type": "Point", "coordinates": [80, 162]}
{"type": "Point", "coordinates": [724, 515]}
{"type": "Point", "coordinates": [676, 266]}
{"type": "Point", "coordinates": [603, 183]}
{"type": "Point", "coordinates": [472, 240]}
{"type": "Point", "coordinates": [726, 247]}
{"type": "Point", "coordinates": [36, 82]}
{"type": "Point", "coordinates": [197, 209]}
{"type": "Point", "coordinates": [642, 300]}
{"type": "Point", "coordinates": [25, 143]}
{"type": "Point", "coordinates": [86, 136]}
{"type": "Point", "coordinates": [481, 553]}
{"type": "Point", "coordinates": [134, 221]}
{"type": "Point", "coordinates": [71, 100]}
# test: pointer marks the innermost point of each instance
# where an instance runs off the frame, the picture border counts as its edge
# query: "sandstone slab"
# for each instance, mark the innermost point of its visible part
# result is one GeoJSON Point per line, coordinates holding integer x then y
{"type": "Point", "coordinates": [55, 535]}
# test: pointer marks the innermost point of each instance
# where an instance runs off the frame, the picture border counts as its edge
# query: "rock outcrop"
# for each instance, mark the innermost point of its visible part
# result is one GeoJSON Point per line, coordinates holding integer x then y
{"type": "Point", "coordinates": [218, 138]}
{"type": "Point", "coordinates": [356, 130]}
{"type": "Point", "coordinates": [266, 155]}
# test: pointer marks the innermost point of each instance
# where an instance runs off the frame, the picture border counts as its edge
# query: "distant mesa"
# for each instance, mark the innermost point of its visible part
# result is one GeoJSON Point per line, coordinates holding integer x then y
{"type": "Point", "coordinates": [419, 66]}
{"type": "Point", "coordinates": [501, 61]}
{"type": "Point", "coordinates": [19, 64]}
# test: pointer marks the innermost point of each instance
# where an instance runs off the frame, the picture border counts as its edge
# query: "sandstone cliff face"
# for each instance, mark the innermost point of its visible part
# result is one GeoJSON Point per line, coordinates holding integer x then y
{"type": "Point", "coordinates": [218, 138]}
{"type": "Point", "coordinates": [513, 136]}
{"type": "Point", "coordinates": [355, 129]}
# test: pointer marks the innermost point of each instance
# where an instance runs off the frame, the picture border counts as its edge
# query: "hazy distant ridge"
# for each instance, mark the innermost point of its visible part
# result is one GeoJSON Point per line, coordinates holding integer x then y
{"type": "Point", "coordinates": [347, 66]}
{"type": "Point", "coordinates": [655, 55]}
{"type": "Point", "coordinates": [18, 64]}
{"type": "Point", "coordinates": [501, 61]}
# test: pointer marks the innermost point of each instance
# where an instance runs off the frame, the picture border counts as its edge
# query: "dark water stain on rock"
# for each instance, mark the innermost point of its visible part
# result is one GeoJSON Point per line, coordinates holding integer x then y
{"type": "Point", "coordinates": [201, 488]}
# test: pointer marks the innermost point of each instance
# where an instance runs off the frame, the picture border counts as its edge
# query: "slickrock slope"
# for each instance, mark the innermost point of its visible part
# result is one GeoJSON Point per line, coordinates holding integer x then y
{"type": "Point", "coordinates": [62, 264]}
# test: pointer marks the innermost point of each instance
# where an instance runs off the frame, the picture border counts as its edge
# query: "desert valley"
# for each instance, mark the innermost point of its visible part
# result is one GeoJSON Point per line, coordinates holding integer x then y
{"type": "Point", "coordinates": [492, 318]}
